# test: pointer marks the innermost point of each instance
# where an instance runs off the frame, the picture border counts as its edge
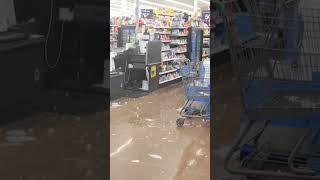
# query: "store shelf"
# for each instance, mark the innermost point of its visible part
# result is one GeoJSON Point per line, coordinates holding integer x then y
{"type": "Point", "coordinates": [113, 33]}
{"type": "Point", "coordinates": [113, 40]}
{"type": "Point", "coordinates": [179, 27]}
{"type": "Point", "coordinates": [172, 59]}
{"type": "Point", "coordinates": [162, 82]}
{"type": "Point", "coordinates": [164, 50]}
{"type": "Point", "coordinates": [178, 43]}
{"type": "Point", "coordinates": [165, 41]}
{"type": "Point", "coordinates": [180, 52]}
{"type": "Point", "coordinates": [162, 27]}
{"type": "Point", "coordinates": [165, 15]}
{"type": "Point", "coordinates": [166, 72]}
{"type": "Point", "coordinates": [203, 56]}
{"type": "Point", "coordinates": [163, 33]}
{"type": "Point", "coordinates": [178, 35]}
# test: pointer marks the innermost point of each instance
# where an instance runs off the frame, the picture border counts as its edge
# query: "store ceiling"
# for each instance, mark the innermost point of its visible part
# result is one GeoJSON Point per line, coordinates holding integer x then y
{"type": "Point", "coordinates": [182, 5]}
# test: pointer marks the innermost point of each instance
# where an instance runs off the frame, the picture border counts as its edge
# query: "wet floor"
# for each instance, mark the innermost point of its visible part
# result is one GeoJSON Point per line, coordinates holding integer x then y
{"type": "Point", "coordinates": [145, 142]}
{"type": "Point", "coordinates": [54, 146]}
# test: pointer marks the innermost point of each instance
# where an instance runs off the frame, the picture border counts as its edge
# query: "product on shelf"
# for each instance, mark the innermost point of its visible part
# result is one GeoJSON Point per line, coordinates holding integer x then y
{"type": "Point", "coordinates": [180, 32]}
{"type": "Point", "coordinates": [167, 55]}
{"type": "Point", "coordinates": [179, 49]}
{"type": "Point", "coordinates": [165, 47]}
{"type": "Point", "coordinates": [206, 58]}
{"type": "Point", "coordinates": [169, 77]}
{"type": "Point", "coordinates": [205, 52]}
{"type": "Point", "coordinates": [165, 37]}
{"type": "Point", "coordinates": [179, 41]}
{"type": "Point", "coordinates": [163, 31]}
{"type": "Point", "coordinates": [180, 56]}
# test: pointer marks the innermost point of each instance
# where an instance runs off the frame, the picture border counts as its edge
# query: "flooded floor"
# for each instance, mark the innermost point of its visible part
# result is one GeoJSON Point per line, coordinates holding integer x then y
{"type": "Point", "coordinates": [146, 144]}
{"type": "Point", "coordinates": [53, 146]}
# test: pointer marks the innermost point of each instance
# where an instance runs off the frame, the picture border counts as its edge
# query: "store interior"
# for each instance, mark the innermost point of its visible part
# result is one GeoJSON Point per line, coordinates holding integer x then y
{"type": "Point", "coordinates": [152, 135]}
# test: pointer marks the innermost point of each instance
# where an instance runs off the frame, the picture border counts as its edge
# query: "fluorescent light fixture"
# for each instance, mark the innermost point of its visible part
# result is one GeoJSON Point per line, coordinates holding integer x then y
{"type": "Point", "coordinates": [115, 5]}
{"type": "Point", "coordinates": [180, 3]}
{"type": "Point", "coordinates": [114, 8]}
{"type": "Point", "coordinates": [146, 7]}
{"type": "Point", "coordinates": [204, 1]}
{"type": "Point", "coordinates": [165, 6]}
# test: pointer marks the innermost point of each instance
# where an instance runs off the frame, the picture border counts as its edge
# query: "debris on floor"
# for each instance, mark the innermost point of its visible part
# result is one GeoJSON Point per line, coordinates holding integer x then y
{"type": "Point", "coordinates": [18, 136]}
{"type": "Point", "coordinates": [162, 150]}
{"type": "Point", "coordinates": [155, 156]}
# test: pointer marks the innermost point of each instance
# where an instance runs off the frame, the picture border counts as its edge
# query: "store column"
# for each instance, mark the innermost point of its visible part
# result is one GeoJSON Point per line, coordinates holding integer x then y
{"type": "Point", "coordinates": [195, 6]}
{"type": "Point", "coordinates": [136, 12]}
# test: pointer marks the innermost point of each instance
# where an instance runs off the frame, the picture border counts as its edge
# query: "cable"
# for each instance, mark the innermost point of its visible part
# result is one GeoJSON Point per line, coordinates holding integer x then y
{"type": "Point", "coordinates": [47, 40]}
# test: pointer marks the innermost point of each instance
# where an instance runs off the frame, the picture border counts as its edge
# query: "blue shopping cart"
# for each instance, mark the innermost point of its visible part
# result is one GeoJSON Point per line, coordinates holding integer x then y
{"type": "Point", "coordinates": [196, 83]}
{"type": "Point", "coordinates": [279, 75]}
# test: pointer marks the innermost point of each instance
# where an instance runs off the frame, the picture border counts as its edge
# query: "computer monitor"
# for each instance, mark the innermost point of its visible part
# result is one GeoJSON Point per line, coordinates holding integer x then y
{"type": "Point", "coordinates": [7, 14]}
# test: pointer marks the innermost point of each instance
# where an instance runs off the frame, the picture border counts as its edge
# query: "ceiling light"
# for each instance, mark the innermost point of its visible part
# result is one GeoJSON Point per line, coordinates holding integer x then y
{"type": "Point", "coordinates": [146, 7]}
{"type": "Point", "coordinates": [180, 3]}
{"type": "Point", "coordinates": [165, 6]}
{"type": "Point", "coordinates": [204, 1]}
{"type": "Point", "coordinates": [115, 5]}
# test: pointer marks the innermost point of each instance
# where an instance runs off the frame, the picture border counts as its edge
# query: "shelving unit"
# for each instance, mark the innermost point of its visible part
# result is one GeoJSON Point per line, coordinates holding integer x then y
{"type": "Point", "coordinates": [172, 31]}
{"type": "Point", "coordinates": [172, 59]}
{"type": "Point", "coordinates": [165, 81]}
{"type": "Point", "coordinates": [169, 71]}
{"type": "Point", "coordinates": [113, 36]}
{"type": "Point", "coordinates": [206, 43]}
{"type": "Point", "coordinates": [178, 45]}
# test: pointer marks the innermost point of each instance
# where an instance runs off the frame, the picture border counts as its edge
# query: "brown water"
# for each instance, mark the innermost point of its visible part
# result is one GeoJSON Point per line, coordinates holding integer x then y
{"type": "Point", "coordinates": [145, 143]}
{"type": "Point", "coordinates": [50, 146]}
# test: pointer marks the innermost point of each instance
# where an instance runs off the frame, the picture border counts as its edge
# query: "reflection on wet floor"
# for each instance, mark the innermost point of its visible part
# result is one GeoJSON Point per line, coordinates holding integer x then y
{"type": "Point", "coordinates": [54, 147]}
{"type": "Point", "coordinates": [145, 142]}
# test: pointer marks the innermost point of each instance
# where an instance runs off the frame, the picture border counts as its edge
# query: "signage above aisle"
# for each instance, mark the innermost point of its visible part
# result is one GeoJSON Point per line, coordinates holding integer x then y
{"type": "Point", "coordinates": [147, 13]}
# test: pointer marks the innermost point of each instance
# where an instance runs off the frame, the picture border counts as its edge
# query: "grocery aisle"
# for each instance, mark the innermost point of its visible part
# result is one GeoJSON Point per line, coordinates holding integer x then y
{"type": "Point", "coordinates": [145, 142]}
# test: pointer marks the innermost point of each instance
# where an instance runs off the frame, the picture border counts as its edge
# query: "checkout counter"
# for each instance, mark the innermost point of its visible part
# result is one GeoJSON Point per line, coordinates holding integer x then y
{"type": "Point", "coordinates": [22, 74]}
{"type": "Point", "coordinates": [135, 70]}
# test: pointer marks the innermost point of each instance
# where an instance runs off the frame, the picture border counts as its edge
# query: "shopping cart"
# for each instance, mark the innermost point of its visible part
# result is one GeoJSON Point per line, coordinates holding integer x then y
{"type": "Point", "coordinates": [279, 75]}
{"type": "Point", "coordinates": [196, 83]}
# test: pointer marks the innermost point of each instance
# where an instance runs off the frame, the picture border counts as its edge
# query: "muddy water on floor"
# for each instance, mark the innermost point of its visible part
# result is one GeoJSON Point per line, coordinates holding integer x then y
{"type": "Point", "coordinates": [145, 142]}
{"type": "Point", "coordinates": [53, 147]}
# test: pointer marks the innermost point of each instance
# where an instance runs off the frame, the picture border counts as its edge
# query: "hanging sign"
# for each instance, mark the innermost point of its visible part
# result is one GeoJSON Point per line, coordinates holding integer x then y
{"type": "Point", "coordinates": [147, 13]}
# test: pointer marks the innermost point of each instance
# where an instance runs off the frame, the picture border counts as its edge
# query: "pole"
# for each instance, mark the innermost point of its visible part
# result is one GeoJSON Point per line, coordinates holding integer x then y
{"type": "Point", "coordinates": [195, 6]}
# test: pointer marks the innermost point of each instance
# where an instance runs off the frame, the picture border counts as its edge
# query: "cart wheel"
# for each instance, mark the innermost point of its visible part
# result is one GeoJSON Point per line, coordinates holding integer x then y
{"type": "Point", "coordinates": [180, 122]}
